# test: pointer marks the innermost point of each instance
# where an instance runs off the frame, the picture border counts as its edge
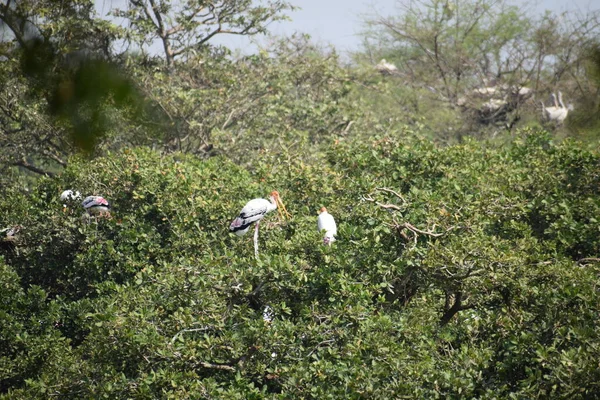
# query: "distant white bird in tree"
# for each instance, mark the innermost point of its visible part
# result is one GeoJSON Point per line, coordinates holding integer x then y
{"type": "Point", "coordinates": [326, 222]}
{"type": "Point", "coordinates": [69, 197]}
{"type": "Point", "coordinates": [9, 238]}
{"type": "Point", "coordinates": [254, 211]}
{"type": "Point", "coordinates": [557, 113]}
{"type": "Point", "coordinates": [268, 314]}
{"type": "Point", "coordinates": [386, 68]}
{"type": "Point", "coordinates": [10, 234]}
{"type": "Point", "coordinates": [96, 205]}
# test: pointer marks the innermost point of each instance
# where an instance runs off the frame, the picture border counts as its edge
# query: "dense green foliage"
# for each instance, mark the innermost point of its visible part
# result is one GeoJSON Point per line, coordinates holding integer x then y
{"type": "Point", "coordinates": [467, 263]}
{"type": "Point", "coordinates": [459, 272]}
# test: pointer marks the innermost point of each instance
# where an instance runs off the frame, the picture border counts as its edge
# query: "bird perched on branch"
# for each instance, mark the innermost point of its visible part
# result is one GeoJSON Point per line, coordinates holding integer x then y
{"type": "Point", "coordinates": [254, 211]}
{"type": "Point", "coordinates": [9, 237]}
{"type": "Point", "coordinates": [386, 68]}
{"type": "Point", "coordinates": [69, 197]}
{"type": "Point", "coordinates": [96, 206]}
{"type": "Point", "coordinates": [11, 233]}
{"type": "Point", "coordinates": [326, 222]}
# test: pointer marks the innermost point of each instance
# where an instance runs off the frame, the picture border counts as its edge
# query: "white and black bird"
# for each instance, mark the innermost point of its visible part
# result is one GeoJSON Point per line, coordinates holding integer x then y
{"type": "Point", "coordinates": [253, 212]}
{"type": "Point", "coordinates": [96, 205]}
{"type": "Point", "coordinates": [69, 197]}
{"type": "Point", "coordinates": [326, 222]}
{"type": "Point", "coordinates": [11, 233]}
{"type": "Point", "coordinates": [268, 314]}
{"type": "Point", "coordinates": [9, 238]}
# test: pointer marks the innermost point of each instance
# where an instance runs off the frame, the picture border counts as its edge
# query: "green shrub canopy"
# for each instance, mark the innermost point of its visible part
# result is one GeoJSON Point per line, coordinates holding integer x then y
{"type": "Point", "coordinates": [460, 272]}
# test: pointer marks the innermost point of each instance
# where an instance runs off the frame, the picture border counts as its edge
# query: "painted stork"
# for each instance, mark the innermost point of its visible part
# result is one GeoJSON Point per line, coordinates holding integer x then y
{"type": "Point", "coordinates": [96, 205]}
{"type": "Point", "coordinates": [254, 211]}
{"type": "Point", "coordinates": [326, 222]}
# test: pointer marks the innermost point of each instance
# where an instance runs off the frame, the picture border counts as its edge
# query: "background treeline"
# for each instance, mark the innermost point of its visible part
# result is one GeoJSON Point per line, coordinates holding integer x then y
{"type": "Point", "coordinates": [467, 264]}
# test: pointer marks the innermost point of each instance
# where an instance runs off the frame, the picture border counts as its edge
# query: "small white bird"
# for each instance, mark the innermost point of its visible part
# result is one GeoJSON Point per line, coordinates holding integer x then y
{"type": "Point", "coordinates": [254, 211]}
{"type": "Point", "coordinates": [96, 205]}
{"type": "Point", "coordinates": [69, 195]}
{"type": "Point", "coordinates": [386, 68]}
{"type": "Point", "coordinates": [326, 222]}
{"type": "Point", "coordinates": [268, 314]}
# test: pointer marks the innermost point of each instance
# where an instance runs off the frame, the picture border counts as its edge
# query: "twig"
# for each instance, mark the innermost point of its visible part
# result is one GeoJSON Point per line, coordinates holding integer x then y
{"type": "Point", "coordinates": [228, 119]}
{"type": "Point", "coordinates": [205, 328]}
{"type": "Point", "coordinates": [587, 260]}
{"type": "Point", "coordinates": [417, 230]}
{"type": "Point", "coordinates": [345, 131]}
{"type": "Point", "coordinates": [224, 367]}
{"type": "Point", "coordinates": [319, 345]}
{"type": "Point", "coordinates": [386, 206]}
{"type": "Point", "coordinates": [23, 163]}
{"type": "Point", "coordinates": [394, 193]}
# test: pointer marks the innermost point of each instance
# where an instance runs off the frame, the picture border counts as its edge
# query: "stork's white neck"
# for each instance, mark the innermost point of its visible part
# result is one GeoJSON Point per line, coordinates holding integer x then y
{"type": "Point", "coordinates": [560, 100]}
{"type": "Point", "coordinates": [273, 204]}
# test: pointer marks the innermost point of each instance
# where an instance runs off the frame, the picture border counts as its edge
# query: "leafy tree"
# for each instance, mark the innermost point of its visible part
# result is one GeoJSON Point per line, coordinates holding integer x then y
{"type": "Point", "coordinates": [28, 336]}
{"type": "Point", "coordinates": [185, 27]}
{"type": "Point", "coordinates": [58, 82]}
{"type": "Point", "coordinates": [486, 59]}
{"type": "Point", "coordinates": [455, 45]}
{"type": "Point", "coordinates": [462, 271]}
{"type": "Point", "coordinates": [585, 118]}
{"type": "Point", "coordinates": [291, 92]}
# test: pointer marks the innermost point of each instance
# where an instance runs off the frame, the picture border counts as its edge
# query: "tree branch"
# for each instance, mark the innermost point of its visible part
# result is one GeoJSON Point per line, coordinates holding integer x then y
{"type": "Point", "coordinates": [23, 163]}
{"type": "Point", "coordinates": [224, 367]}
{"type": "Point", "coordinates": [588, 260]}
{"type": "Point", "coordinates": [7, 18]}
{"type": "Point", "coordinates": [456, 307]}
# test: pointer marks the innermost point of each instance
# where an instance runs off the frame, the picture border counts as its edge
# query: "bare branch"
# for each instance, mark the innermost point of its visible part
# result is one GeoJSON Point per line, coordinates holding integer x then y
{"type": "Point", "coordinates": [226, 123]}
{"type": "Point", "coordinates": [393, 192]}
{"type": "Point", "coordinates": [203, 329]}
{"type": "Point", "coordinates": [428, 233]}
{"type": "Point", "coordinates": [224, 367]}
{"type": "Point", "coordinates": [588, 260]}
{"type": "Point", "coordinates": [23, 163]}
{"type": "Point", "coordinates": [8, 18]}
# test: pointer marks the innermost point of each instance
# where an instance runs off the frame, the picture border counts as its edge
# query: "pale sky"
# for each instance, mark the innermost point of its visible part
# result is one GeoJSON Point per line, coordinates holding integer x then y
{"type": "Point", "coordinates": [339, 22]}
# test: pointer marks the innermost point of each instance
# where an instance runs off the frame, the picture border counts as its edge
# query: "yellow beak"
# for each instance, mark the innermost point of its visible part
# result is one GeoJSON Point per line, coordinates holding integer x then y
{"type": "Point", "coordinates": [281, 209]}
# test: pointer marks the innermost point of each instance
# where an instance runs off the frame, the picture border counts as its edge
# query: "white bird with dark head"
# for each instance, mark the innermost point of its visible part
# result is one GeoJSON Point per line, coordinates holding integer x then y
{"type": "Point", "coordinates": [69, 195]}
{"type": "Point", "coordinates": [11, 233]}
{"type": "Point", "coordinates": [9, 238]}
{"type": "Point", "coordinates": [326, 222]}
{"type": "Point", "coordinates": [253, 212]}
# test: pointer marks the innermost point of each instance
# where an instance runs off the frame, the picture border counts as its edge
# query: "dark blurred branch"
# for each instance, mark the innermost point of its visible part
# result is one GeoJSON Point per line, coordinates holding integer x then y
{"type": "Point", "coordinates": [23, 163]}
{"type": "Point", "coordinates": [10, 20]}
